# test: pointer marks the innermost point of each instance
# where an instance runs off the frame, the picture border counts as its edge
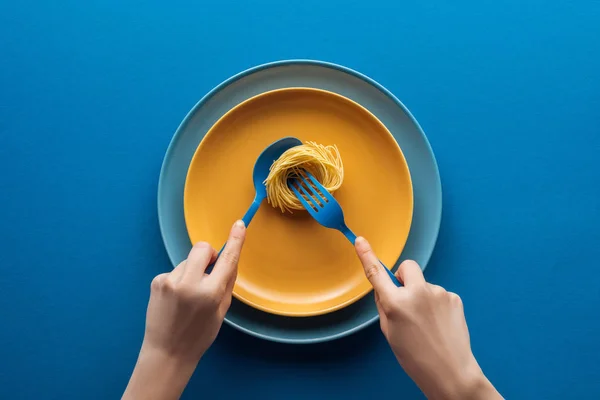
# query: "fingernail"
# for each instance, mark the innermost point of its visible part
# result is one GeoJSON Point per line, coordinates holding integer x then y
{"type": "Point", "coordinates": [239, 224]}
{"type": "Point", "coordinates": [359, 240]}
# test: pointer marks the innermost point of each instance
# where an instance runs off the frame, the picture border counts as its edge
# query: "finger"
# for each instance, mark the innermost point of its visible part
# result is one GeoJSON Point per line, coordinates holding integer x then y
{"type": "Point", "coordinates": [231, 283]}
{"type": "Point", "coordinates": [198, 259]}
{"type": "Point", "coordinates": [373, 268]}
{"type": "Point", "coordinates": [455, 299]}
{"type": "Point", "coordinates": [410, 273]}
{"type": "Point", "coordinates": [213, 258]}
{"type": "Point", "coordinates": [158, 281]}
{"type": "Point", "coordinates": [397, 275]}
{"type": "Point", "coordinates": [177, 273]}
{"type": "Point", "coordinates": [226, 266]}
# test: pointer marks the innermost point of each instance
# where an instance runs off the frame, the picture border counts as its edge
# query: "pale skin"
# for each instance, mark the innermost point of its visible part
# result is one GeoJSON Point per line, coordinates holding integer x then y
{"type": "Point", "coordinates": [424, 324]}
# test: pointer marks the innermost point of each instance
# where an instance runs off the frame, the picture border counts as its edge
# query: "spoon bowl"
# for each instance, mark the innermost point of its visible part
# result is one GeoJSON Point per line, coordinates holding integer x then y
{"type": "Point", "coordinates": [261, 170]}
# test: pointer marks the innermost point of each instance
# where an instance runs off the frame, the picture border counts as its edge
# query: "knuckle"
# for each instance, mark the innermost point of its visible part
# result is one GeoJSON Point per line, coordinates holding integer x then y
{"type": "Point", "coordinates": [237, 236]}
{"type": "Point", "coordinates": [437, 291]}
{"type": "Point", "coordinates": [366, 250]}
{"type": "Point", "coordinates": [156, 283]}
{"type": "Point", "coordinates": [410, 264]}
{"type": "Point", "coordinates": [404, 265]}
{"type": "Point", "coordinates": [202, 245]}
{"type": "Point", "coordinates": [455, 299]}
{"type": "Point", "coordinates": [372, 270]}
{"type": "Point", "coordinates": [230, 257]}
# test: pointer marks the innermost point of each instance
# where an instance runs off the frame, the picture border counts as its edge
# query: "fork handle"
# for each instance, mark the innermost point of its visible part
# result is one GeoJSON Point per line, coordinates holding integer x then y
{"type": "Point", "coordinates": [391, 275]}
{"type": "Point", "coordinates": [352, 238]}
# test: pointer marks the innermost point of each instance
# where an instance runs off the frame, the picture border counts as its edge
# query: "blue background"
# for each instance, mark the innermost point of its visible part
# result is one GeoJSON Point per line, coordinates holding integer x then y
{"type": "Point", "coordinates": [508, 93]}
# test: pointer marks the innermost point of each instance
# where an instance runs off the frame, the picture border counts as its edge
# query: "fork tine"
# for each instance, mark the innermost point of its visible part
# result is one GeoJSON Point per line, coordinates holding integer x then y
{"type": "Point", "coordinates": [298, 195]}
{"type": "Point", "coordinates": [313, 190]}
{"type": "Point", "coordinates": [314, 201]}
{"type": "Point", "coordinates": [304, 202]}
{"type": "Point", "coordinates": [323, 191]}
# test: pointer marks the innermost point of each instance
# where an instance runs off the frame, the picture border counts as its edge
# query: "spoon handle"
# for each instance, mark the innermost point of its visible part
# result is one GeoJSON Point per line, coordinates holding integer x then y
{"type": "Point", "coordinates": [252, 209]}
{"type": "Point", "coordinates": [247, 218]}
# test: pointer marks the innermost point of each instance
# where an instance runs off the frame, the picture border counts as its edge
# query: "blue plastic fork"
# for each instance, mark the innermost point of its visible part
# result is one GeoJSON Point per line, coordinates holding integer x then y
{"type": "Point", "coordinates": [324, 208]}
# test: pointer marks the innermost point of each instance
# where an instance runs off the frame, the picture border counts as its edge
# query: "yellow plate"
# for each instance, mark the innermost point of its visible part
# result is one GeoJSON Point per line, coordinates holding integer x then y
{"type": "Point", "coordinates": [290, 265]}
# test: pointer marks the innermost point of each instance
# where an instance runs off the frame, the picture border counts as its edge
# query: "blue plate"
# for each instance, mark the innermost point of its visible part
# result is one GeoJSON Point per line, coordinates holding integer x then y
{"type": "Point", "coordinates": [303, 73]}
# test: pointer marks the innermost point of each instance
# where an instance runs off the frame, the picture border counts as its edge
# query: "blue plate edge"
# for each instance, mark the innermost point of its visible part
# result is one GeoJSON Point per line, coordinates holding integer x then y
{"type": "Point", "coordinates": [330, 65]}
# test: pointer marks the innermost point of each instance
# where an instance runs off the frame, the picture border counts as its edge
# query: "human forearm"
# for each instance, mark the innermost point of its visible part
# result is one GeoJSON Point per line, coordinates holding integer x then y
{"type": "Point", "coordinates": [443, 381]}
{"type": "Point", "coordinates": [481, 389]}
{"type": "Point", "coordinates": [473, 385]}
{"type": "Point", "coordinates": [158, 376]}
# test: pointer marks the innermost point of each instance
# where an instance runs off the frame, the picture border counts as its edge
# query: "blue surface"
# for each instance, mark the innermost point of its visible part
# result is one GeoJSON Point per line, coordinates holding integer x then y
{"type": "Point", "coordinates": [91, 92]}
{"type": "Point", "coordinates": [417, 151]}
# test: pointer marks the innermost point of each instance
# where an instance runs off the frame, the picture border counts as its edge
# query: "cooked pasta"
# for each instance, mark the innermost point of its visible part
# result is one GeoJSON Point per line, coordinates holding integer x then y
{"type": "Point", "coordinates": [323, 162]}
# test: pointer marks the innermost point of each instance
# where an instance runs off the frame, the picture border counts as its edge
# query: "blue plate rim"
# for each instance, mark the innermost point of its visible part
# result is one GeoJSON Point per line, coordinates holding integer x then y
{"type": "Point", "coordinates": [281, 63]}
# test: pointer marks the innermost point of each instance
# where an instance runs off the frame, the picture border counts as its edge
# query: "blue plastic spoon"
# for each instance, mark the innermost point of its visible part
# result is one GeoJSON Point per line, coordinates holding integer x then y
{"type": "Point", "coordinates": [261, 171]}
{"type": "Point", "coordinates": [259, 175]}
